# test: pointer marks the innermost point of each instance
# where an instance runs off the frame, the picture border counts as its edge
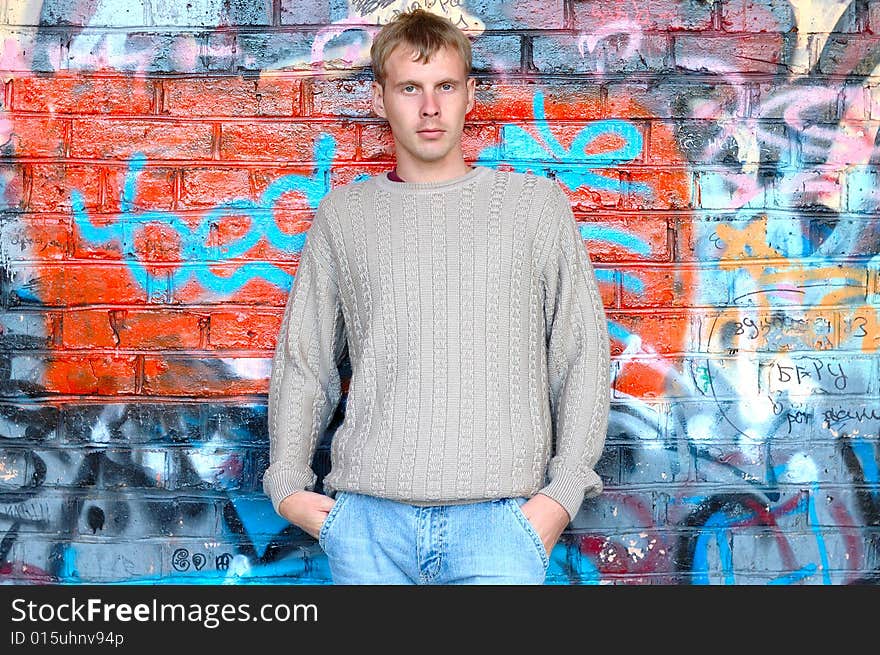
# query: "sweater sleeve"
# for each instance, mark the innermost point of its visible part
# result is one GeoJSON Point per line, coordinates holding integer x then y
{"type": "Point", "coordinates": [304, 387]}
{"type": "Point", "coordinates": [578, 362]}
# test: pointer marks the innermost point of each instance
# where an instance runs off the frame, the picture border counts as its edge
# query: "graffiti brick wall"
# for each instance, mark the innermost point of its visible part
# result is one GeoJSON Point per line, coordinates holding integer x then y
{"type": "Point", "coordinates": [159, 169]}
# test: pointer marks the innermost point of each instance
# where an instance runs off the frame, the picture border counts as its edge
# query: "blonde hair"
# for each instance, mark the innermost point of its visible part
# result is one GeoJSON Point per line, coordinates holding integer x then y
{"type": "Point", "coordinates": [425, 33]}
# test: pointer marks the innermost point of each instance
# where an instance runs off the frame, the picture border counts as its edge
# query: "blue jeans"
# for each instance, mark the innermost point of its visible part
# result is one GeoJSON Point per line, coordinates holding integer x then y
{"type": "Point", "coordinates": [370, 540]}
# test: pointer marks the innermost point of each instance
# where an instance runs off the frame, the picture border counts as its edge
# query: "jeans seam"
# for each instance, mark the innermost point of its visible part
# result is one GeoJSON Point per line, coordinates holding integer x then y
{"type": "Point", "coordinates": [530, 530]}
{"type": "Point", "coordinates": [331, 517]}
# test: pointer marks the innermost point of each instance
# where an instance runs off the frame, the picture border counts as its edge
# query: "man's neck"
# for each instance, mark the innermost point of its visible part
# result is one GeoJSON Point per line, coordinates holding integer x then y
{"type": "Point", "coordinates": [409, 173]}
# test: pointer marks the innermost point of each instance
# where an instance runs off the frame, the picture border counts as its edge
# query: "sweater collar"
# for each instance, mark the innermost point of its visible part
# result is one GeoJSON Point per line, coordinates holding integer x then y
{"type": "Point", "coordinates": [446, 185]}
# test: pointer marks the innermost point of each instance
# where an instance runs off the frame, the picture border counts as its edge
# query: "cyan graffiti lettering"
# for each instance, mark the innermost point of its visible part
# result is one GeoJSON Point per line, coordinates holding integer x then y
{"type": "Point", "coordinates": [195, 241]}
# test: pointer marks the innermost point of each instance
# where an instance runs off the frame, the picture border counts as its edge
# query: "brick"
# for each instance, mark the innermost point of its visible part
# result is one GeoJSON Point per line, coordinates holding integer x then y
{"type": "Point", "coordinates": [496, 54]}
{"type": "Point", "coordinates": [716, 191]}
{"type": "Point", "coordinates": [845, 417]}
{"type": "Point", "coordinates": [667, 333]}
{"type": "Point", "coordinates": [200, 377]}
{"type": "Point", "coordinates": [613, 510]}
{"type": "Point", "coordinates": [216, 469]}
{"type": "Point", "coordinates": [752, 16]}
{"type": "Point", "coordinates": [608, 290]}
{"type": "Point", "coordinates": [848, 55]}
{"type": "Point", "coordinates": [101, 564]}
{"type": "Point", "coordinates": [26, 330]}
{"type": "Point", "coordinates": [52, 186]}
{"type": "Point", "coordinates": [136, 329]}
{"type": "Point", "coordinates": [873, 19]}
{"type": "Point", "coordinates": [73, 12]}
{"type": "Point", "coordinates": [634, 15]}
{"type": "Point", "coordinates": [669, 189]}
{"type": "Point", "coordinates": [826, 236]}
{"type": "Point", "coordinates": [803, 376]}
{"type": "Point", "coordinates": [211, 13]}
{"type": "Point", "coordinates": [579, 183]}
{"type": "Point", "coordinates": [808, 463]}
{"type": "Point", "coordinates": [344, 98]}
{"type": "Point", "coordinates": [36, 137]}
{"type": "Point", "coordinates": [660, 466]}
{"type": "Point", "coordinates": [209, 187]}
{"type": "Point", "coordinates": [153, 189]}
{"type": "Point", "coordinates": [849, 503]}
{"type": "Point", "coordinates": [850, 145]}
{"type": "Point", "coordinates": [217, 556]}
{"type": "Point", "coordinates": [862, 194]}
{"type": "Point", "coordinates": [305, 12]}
{"type": "Point", "coordinates": [858, 329]}
{"type": "Point", "coordinates": [104, 374]}
{"type": "Point", "coordinates": [697, 141]}
{"type": "Point", "coordinates": [742, 53]}
{"type": "Point", "coordinates": [155, 241]}
{"type": "Point", "coordinates": [377, 142]}
{"type": "Point", "coordinates": [673, 98]}
{"type": "Point", "coordinates": [243, 424]}
{"type": "Point", "coordinates": [751, 330]}
{"type": "Point", "coordinates": [82, 247]}
{"type": "Point", "coordinates": [30, 237]}
{"type": "Point", "coordinates": [244, 330]}
{"type": "Point", "coordinates": [803, 106]}
{"type": "Point", "coordinates": [618, 54]}
{"type": "Point", "coordinates": [134, 52]}
{"type": "Point", "coordinates": [613, 238]}
{"type": "Point", "coordinates": [83, 94]}
{"type": "Point", "coordinates": [302, 187]}
{"type": "Point", "coordinates": [23, 284]}
{"type": "Point", "coordinates": [759, 554]}
{"type": "Point", "coordinates": [784, 285]}
{"type": "Point", "coordinates": [120, 139]}
{"type": "Point", "coordinates": [273, 51]}
{"type": "Point", "coordinates": [621, 557]}
{"type": "Point", "coordinates": [718, 237]}
{"type": "Point", "coordinates": [513, 102]}
{"type": "Point", "coordinates": [283, 141]}
{"type": "Point", "coordinates": [606, 146]}
{"type": "Point", "coordinates": [225, 96]}
{"type": "Point", "coordinates": [499, 15]}
{"type": "Point", "coordinates": [12, 177]}
{"type": "Point", "coordinates": [31, 50]}
{"type": "Point", "coordinates": [238, 282]}
{"type": "Point", "coordinates": [74, 283]}
{"type": "Point", "coordinates": [131, 423]}
{"type": "Point", "coordinates": [714, 375]}
{"type": "Point", "coordinates": [348, 173]}
{"type": "Point", "coordinates": [35, 517]}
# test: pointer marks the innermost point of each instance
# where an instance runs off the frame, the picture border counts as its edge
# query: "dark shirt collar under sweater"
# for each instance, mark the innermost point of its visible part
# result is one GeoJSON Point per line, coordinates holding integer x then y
{"type": "Point", "coordinates": [389, 182]}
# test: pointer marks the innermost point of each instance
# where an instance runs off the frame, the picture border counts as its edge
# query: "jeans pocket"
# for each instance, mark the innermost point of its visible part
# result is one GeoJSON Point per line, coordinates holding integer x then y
{"type": "Point", "coordinates": [514, 505]}
{"type": "Point", "coordinates": [331, 517]}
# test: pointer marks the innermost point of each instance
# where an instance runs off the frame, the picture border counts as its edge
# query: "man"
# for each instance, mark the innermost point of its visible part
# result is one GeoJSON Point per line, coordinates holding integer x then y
{"type": "Point", "coordinates": [479, 395]}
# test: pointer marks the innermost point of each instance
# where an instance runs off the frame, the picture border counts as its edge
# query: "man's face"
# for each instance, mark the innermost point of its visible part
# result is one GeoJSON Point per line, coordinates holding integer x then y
{"type": "Point", "coordinates": [425, 105]}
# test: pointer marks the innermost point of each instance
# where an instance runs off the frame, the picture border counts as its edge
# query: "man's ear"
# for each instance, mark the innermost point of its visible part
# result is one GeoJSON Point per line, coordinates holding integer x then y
{"type": "Point", "coordinates": [471, 93]}
{"type": "Point", "coordinates": [378, 99]}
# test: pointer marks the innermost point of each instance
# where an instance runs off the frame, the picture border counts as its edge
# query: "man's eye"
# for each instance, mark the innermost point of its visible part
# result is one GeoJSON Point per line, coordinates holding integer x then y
{"type": "Point", "coordinates": [408, 88]}
{"type": "Point", "coordinates": [448, 86]}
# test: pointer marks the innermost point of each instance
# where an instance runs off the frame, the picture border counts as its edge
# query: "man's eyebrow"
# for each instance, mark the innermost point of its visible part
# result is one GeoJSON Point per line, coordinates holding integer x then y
{"type": "Point", "coordinates": [448, 80]}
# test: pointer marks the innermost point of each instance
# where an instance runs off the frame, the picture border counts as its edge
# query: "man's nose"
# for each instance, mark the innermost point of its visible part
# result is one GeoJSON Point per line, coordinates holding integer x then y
{"type": "Point", "coordinates": [430, 107]}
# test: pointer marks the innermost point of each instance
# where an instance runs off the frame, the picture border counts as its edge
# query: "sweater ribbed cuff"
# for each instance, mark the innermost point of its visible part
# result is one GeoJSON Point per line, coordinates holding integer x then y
{"type": "Point", "coordinates": [570, 490]}
{"type": "Point", "coordinates": [279, 483]}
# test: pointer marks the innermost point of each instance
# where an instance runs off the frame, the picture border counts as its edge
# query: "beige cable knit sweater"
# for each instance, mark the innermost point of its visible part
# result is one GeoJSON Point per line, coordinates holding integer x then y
{"type": "Point", "coordinates": [477, 338]}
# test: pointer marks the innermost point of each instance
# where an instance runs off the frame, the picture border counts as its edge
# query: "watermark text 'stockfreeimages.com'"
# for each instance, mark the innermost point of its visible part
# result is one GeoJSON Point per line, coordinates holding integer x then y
{"type": "Point", "coordinates": [95, 610]}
